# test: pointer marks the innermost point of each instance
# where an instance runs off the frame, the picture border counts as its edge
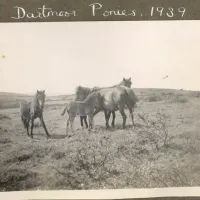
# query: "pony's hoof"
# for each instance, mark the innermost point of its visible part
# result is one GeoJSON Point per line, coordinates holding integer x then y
{"type": "Point", "coordinates": [68, 135]}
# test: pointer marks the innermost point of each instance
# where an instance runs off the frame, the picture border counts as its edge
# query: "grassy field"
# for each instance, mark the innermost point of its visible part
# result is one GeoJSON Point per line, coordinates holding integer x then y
{"type": "Point", "coordinates": [163, 150]}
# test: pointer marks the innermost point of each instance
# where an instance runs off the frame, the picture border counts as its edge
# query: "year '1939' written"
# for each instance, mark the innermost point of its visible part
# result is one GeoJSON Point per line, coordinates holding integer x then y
{"type": "Point", "coordinates": [169, 12]}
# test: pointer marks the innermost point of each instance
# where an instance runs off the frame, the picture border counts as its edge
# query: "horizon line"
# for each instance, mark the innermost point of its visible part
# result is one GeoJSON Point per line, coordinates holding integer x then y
{"type": "Point", "coordinates": [68, 94]}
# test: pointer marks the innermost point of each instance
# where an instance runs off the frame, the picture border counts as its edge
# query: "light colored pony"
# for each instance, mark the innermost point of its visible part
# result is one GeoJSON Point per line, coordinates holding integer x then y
{"type": "Point", "coordinates": [82, 108]}
{"type": "Point", "coordinates": [30, 110]}
{"type": "Point", "coordinates": [80, 95]}
{"type": "Point", "coordinates": [117, 98]}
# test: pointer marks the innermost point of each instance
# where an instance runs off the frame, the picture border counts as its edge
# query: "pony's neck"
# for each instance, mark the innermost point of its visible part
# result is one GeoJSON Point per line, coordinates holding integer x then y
{"type": "Point", "coordinates": [89, 99]}
{"type": "Point", "coordinates": [121, 83]}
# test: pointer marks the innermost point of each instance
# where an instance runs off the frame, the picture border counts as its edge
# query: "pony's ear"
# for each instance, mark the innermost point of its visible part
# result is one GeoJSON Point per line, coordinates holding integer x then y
{"type": "Point", "coordinates": [124, 79]}
{"type": "Point", "coordinates": [129, 79]}
{"type": "Point", "coordinates": [43, 91]}
{"type": "Point", "coordinates": [38, 92]}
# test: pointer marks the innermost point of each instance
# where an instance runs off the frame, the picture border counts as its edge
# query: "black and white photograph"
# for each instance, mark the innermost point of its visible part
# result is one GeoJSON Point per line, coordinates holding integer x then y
{"type": "Point", "coordinates": [99, 105]}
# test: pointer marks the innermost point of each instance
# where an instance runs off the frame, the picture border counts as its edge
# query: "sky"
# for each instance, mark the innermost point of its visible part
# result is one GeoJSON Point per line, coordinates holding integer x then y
{"type": "Point", "coordinates": [60, 56]}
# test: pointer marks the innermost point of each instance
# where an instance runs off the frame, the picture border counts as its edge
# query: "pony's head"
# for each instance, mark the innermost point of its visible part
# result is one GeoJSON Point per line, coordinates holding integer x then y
{"type": "Point", "coordinates": [94, 89]}
{"type": "Point", "coordinates": [93, 99]}
{"type": "Point", "coordinates": [127, 82]}
{"type": "Point", "coordinates": [40, 95]}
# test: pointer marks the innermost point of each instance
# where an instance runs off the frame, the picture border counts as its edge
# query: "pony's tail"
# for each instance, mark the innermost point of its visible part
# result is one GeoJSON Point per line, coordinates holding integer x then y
{"type": "Point", "coordinates": [24, 121]}
{"type": "Point", "coordinates": [64, 110]}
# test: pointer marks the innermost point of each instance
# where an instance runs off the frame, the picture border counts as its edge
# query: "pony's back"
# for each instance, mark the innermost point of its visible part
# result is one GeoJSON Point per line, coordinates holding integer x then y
{"type": "Point", "coordinates": [75, 108]}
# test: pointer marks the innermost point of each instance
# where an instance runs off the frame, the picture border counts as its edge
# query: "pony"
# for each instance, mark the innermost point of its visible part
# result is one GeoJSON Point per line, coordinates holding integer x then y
{"type": "Point", "coordinates": [80, 95]}
{"type": "Point", "coordinates": [83, 92]}
{"type": "Point", "coordinates": [82, 108]}
{"type": "Point", "coordinates": [132, 100]}
{"type": "Point", "coordinates": [117, 98]}
{"type": "Point", "coordinates": [30, 110]}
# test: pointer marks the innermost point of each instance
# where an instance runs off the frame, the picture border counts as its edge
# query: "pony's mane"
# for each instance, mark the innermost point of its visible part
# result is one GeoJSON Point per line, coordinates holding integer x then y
{"type": "Point", "coordinates": [112, 86]}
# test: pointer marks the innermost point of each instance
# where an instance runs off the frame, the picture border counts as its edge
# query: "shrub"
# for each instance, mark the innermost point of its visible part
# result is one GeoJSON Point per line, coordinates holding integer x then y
{"type": "Point", "coordinates": [58, 155]}
{"type": "Point", "coordinates": [16, 179]}
{"type": "Point", "coordinates": [19, 157]}
{"type": "Point", "coordinates": [155, 131]}
{"type": "Point", "coordinates": [89, 166]}
{"type": "Point", "coordinates": [195, 94]}
{"type": "Point", "coordinates": [5, 140]}
{"type": "Point", "coordinates": [154, 98]}
{"type": "Point", "coordinates": [4, 117]}
{"type": "Point", "coordinates": [178, 98]}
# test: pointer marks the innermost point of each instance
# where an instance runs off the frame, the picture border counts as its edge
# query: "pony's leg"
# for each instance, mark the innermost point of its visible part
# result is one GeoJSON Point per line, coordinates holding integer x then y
{"type": "Point", "coordinates": [81, 119]}
{"type": "Point", "coordinates": [132, 117]}
{"type": "Point", "coordinates": [106, 118]}
{"type": "Point", "coordinates": [71, 118]}
{"type": "Point", "coordinates": [91, 116]}
{"type": "Point", "coordinates": [123, 116]}
{"type": "Point", "coordinates": [44, 126]}
{"type": "Point", "coordinates": [85, 120]}
{"type": "Point", "coordinates": [27, 128]}
{"type": "Point", "coordinates": [32, 125]}
{"type": "Point", "coordinates": [67, 125]}
{"type": "Point", "coordinates": [89, 127]}
{"type": "Point", "coordinates": [113, 120]}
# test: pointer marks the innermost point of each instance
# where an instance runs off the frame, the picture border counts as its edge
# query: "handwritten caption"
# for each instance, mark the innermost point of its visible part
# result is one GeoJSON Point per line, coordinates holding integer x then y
{"type": "Point", "coordinates": [97, 9]}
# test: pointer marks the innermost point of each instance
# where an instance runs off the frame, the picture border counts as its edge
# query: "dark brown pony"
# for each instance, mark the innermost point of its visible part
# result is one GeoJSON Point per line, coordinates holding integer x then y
{"type": "Point", "coordinates": [30, 110]}
{"type": "Point", "coordinates": [83, 92]}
